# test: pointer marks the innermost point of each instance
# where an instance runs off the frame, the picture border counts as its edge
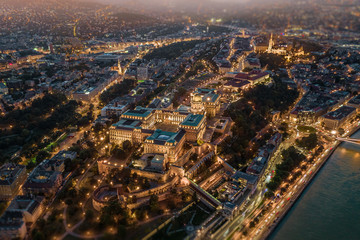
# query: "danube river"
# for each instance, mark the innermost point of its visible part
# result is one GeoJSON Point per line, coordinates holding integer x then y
{"type": "Point", "coordinates": [330, 206]}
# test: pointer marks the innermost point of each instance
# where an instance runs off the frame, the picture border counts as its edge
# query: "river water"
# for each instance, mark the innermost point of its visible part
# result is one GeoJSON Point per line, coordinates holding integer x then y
{"type": "Point", "coordinates": [330, 206]}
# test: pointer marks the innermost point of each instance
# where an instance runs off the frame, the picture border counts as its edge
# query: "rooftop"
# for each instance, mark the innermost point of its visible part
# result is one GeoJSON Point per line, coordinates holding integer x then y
{"type": "Point", "coordinates": [237, 83]}
{"type": "Point", "coordinates": [249, 178]}
{"type": "Point", "coordinates": [158, 159]}
{"type": "Point", "coordinates": [127, 123]}
{"type": "Point", "coordinates": [211, 97]}
{"type": "Point", "coordinates": [138, 112]}
{"type": "Point", "coordinates": [183, 109]}
{"type": "Point", "coordinates": [192, 120]}
{"type": "Point", "coordinates": [40, 178]}
{"type": "Point", "coordinates": [9, 172]}
{"type": "Point", "coordinates": [339, 94]}
{"type": "Point", "coordinates": [161, 137]}
{"type": "Point", "coordinates": [25, 203]}
{"type": "Point", "coordinates": [355, 100]}
{"type": "Point", "coordinates": [155, 103]}
{"type": "Point", "coordinates": [85, 90]}
{"type": "Point", "coordinates": [251, 76]}
{"type": "Point", "coordinates": [204, 90]}
{"type": "Point", "coordinates": [340, 113]}
{"type": "Point", "coordinates": [11, 220]}
{"type": "Point", "coordinates": [63, 155]}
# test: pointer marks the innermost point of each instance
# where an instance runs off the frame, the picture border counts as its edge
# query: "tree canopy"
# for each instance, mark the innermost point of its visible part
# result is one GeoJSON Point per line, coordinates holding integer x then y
{"type": "Point", "coordinates": [173, 50]}
{"type": "Point", "coordinates": [251, 114]}
{"type": "Point", "coordinates": [309, 142]}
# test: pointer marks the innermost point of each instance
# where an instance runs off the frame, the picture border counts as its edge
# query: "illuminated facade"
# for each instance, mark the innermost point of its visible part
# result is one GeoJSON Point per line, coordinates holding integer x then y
{"type": "Point", "coordinates": [333, 120]}
{"type": "Point", "coordinates": [205, 101]}
{"type": "Point", "coordinates": [12, 176]}
{"type": "Point", "coordinates": [167, 143]}
{"type": "Point", "coordinates": [195, 126]}
{"type": "Point", "coordinates": [139, 124]}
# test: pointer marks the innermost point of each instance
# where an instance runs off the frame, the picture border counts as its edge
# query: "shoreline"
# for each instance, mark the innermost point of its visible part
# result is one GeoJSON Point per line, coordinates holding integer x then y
{"type": "Point", "coordinates": [298, 194]}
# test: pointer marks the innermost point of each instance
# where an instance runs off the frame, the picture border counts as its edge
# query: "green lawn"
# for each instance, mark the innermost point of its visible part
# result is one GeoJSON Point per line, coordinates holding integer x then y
{"type": "Point", "coordinates": [56, 142]}
{"type": "Point", "coordinates": [306, 129]}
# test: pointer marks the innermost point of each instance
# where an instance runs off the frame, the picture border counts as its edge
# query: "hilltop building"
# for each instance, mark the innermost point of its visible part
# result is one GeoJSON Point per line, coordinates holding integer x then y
{"type": "Point", "coordinates": [205, 101]}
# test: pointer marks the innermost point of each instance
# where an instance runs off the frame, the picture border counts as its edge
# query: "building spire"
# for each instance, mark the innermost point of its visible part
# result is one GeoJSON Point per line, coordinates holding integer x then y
{"type": "Point", "coordinates": [271, 43]}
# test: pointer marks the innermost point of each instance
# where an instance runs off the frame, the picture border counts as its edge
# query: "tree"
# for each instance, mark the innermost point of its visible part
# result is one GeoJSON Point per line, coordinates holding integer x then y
{"type": "Point", "coordinates": [193, 157]}
{"type": "Point", "coordinates": [173, 50]}
{"type": "Point", "coordinates": [118, 152]}
{"type": "Point", "coordinates": [252, 224]}
{"type": "Point", "coordinates": [154, 203]}
{"type": "Point", "coordinates": [116, 90]}
{"type": "Point", "coordinates": [42, 155]}
{"type": "Point", "coordinates": [70, 165]}
{"type": "Point", "coordinates": [341, 131]}
{"type": "Point", "coordinates": [194, 197]}
{"type": "Point", "coordinates": [69, 201]}
{"type": "Point", "coordinates": [121, 231]}
{"type": "Point", "coordinates": [309, 142]}
{"type": "Point", "coordinates": [3, 206]}
{"type": "Point", "coordinates": [184, 196]}
{"type": "Point", "coordinates": [247, 69]}
{"type": "Point", "coordinates": [141, 214]}
{"type": "Point", "coordinates": [109, 236]}
{"type": "Point", "coordinates": [98, 127]}
{"type": "Point", "coordinates": [269, 194]}
{"type": "Point", "coordinates": [37, 235]}
{"type": "Point", "coordinates": [291, 159]}
{"type": "Point", "coordinates": [216, 194]}
{"type": "Point", "coordinates": [89, 215]}
{"type": "Point", "coordinates": [127, 146]}
{"type": "Point", "coordinates": [284, 126]}
{"type": "Point", "coordinates": [146, 184]}
{"type": "Point", "coordinates": [171, 203]}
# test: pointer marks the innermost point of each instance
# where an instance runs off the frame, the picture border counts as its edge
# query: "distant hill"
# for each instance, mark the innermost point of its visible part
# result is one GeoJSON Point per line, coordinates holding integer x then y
{"type": "Point", "coordinates": [167, 5]}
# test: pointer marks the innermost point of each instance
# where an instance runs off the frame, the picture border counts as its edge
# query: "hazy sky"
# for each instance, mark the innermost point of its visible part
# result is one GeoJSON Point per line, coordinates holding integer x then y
{"type": "Point", "coordinates": [206, 5]}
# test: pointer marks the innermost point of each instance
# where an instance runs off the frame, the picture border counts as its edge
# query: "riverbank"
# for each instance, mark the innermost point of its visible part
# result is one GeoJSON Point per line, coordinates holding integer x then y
{"type": "Point", "coordinates": [297, 195]}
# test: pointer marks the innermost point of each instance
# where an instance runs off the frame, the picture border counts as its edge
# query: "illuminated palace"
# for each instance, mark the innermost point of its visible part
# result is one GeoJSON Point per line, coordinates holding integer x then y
{"type": "Point", "coordinates": [205, 101]}
{"type": "Point", "coordinates": [144, 125]}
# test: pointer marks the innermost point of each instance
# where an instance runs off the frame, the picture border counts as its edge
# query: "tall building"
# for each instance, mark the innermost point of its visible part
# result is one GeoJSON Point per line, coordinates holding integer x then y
{"type": "Point", "coordinates": [333, 120]}
{"type": "Point", "coordinates": [12, 226]}
{"type": "Point", "coordinates": [271, 44]}
{"type": "Point", "coordinates": [12, 176]}
{"type": "Point", "coordinates": [142, 72]}
{"type": "Point", "coordinates": [31, 207]}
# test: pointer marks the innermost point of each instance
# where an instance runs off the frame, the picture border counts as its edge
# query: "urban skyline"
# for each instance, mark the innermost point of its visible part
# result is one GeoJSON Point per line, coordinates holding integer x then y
{"type": "Point", "coordinates": [169, 119]}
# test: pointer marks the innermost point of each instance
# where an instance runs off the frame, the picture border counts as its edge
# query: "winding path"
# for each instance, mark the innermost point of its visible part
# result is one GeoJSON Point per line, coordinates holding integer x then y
{"type": "Point", "coordinates": [70, 231]}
